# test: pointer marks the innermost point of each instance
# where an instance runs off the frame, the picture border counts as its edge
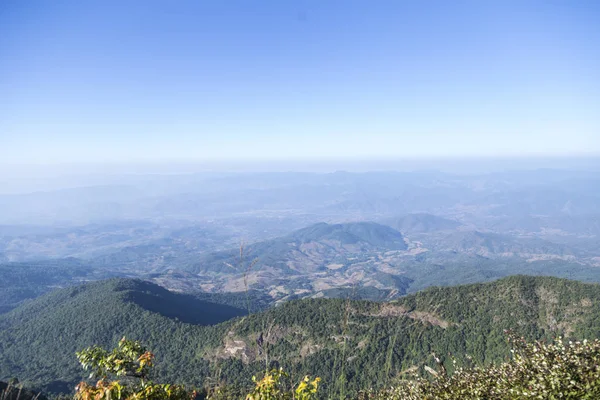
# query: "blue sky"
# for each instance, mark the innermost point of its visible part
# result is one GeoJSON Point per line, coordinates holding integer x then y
{"type": "Point", "coordinates": [143, 81]}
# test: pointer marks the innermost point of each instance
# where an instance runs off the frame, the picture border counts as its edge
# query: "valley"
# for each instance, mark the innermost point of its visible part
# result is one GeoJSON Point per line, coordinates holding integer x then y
{"type": "Point", "coordinates": [369, 235]}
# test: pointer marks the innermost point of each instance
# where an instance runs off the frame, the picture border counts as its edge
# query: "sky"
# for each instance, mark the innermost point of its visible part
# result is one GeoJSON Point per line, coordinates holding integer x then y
{"type": "Point", "coordinates": [183, 81]}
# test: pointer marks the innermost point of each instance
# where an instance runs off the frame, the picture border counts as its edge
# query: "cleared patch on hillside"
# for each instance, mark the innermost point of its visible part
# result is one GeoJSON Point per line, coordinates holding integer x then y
{"type": "Point", "coordinates": [394, 310]}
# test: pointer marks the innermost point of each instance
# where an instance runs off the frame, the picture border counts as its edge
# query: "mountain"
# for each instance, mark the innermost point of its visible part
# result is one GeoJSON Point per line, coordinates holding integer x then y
{"type": "Point", "coordinates": [493, 244]}
{"type": "Point", "coordinates": [368, 234]}
{"type": "Point", "coordinates": [376, 261]}
{"type": "Point", "coordinates": [356, 344]}
{"type": "Point", "coordinates": [308, 260]}
{"type": "Point", "coordinates": [27, 280]}
{"type": "Point", "coordinates": [146, 224]}
{"type": "Point", "coordinates": [422, 223]}
{"type": "Point", "coordinates": [357, 259]}
{"type": "Point", "coordinates": [368, 343]}
{"type": "Point", "coordinates": [543, 200]}
{"type": "Point", "coordinates": [70, 319]}
{"type": "Point", "coordinates": [373, 261]}
{"type": "Point", "coordinates": [311, 248]}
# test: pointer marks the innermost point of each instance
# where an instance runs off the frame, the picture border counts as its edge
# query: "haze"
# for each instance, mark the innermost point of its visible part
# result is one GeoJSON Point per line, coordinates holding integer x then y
{"type": "Point", "coordinates": [169, 167]}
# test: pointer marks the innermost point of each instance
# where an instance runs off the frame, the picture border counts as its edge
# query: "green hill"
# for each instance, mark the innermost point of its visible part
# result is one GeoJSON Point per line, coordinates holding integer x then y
{"type": "Point", "coordinates": [351, 345]}
{"type": "Point", "coordinates": [367, 233]}
{"type": "Point", "coordinates": [27, 280]}
{"type": "Point", "coordinates": [38, 339]}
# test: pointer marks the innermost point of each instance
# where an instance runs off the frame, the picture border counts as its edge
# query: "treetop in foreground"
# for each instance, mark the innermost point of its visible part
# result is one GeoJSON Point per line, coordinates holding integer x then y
{"type": "Point", "coordinates": [538, 370]}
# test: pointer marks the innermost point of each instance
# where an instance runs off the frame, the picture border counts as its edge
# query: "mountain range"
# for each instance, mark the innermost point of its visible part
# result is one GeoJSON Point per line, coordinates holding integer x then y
{"type": "Point", "coordinates": [351, 276]}
{"type": "Point", "coordinates": [359, 259]}
{"type": "Point", "coordinates": [422, 223]}
{"type": "Point", "coordinates": [376, 234]}
{"type": "Point", "coordinates": [324, 259]}
{"type": "Point", "coordinates": [361, 343]}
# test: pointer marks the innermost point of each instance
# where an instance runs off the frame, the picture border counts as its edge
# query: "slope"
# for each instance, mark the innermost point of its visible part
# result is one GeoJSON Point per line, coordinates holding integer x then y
{"type": "Point", "coordinates": [494, 244]}
{"type": "Point", "coordinates": [350, 344]}
{"type": "Point", "coordinates": [38, 339]}
{"type": "Point", "coordinates": [422, 223]}
{"type": "Point", "coordinates": [26, 280]}
{"type": "Point", "coordinates": [306, 261]}
{"type": "Point", "coordinates": [366, 344]}
{"type": "Point", "coordinates": [311, 247]}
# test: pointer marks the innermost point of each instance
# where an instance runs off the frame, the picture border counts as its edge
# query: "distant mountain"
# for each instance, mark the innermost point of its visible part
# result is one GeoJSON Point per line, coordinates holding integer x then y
{"type": "Point", "coordinates": [422, 223]}
{"type": "Point", "coordinates": [321, 248]}
{"type": "Point", "coordinates": [151, 223]}
{"type": "Point", "coordinates": [365, 343]}
{"type": "Point", "coordinates": [328, 259]}
{"type": "Point", "coordinates": [585, 225]}
{"type": "Point", "coordinates": [588, 224]}
{"type": "Point", "coordinates": [541, 200]}
{"type": "Point", "coordinates": [491, 244]}
{"type": "Point", "coordinates": [361, 233]}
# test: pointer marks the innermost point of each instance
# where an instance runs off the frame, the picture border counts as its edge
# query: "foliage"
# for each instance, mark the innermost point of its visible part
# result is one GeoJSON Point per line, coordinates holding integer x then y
{"type": "Point", "coordinates": [351, 345]}
{"type": "Point", "coordinates": [272, 387]}
{"type": "Point", "coordinates": [39, 338]}
{"type": "Point", "coordinates": [259, 301]}
{"type": "Point", "coordinates": [129, 359]}
{"type": "Point", "coordinates": [12, 390]}
{"type": "Point", "coordinates": [538, 370]}
{"type": "Point", "coordinates": [132, 362]}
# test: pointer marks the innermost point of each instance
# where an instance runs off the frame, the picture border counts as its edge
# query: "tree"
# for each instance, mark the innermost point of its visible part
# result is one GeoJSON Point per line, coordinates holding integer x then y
{"type": "Point", "coordinates": [130, 364]}
{"type": "Point", "coordinates": [271, 387]}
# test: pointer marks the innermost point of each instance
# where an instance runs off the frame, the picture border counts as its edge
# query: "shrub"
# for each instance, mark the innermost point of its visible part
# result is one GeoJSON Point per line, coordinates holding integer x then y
{"type": "Point", "coordinates": [537, 370]}
{"type": "Point", "coordinates": [130, 362]}
{"type": "Point", "coordinates": [271, 387]}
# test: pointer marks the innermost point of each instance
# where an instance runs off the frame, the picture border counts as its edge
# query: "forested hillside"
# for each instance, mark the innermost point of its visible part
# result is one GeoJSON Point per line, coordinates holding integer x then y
{"type": "Point", "coordinates": [349, 344]}
{"type": "Point", "coordinates": [38, 340]}
{"type": "Point", "coordinates": [27, 280]}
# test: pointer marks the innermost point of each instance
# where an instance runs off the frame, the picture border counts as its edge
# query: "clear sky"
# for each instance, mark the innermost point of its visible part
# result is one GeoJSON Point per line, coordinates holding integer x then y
{"type": "Point", "coordinates": [119, 81]}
